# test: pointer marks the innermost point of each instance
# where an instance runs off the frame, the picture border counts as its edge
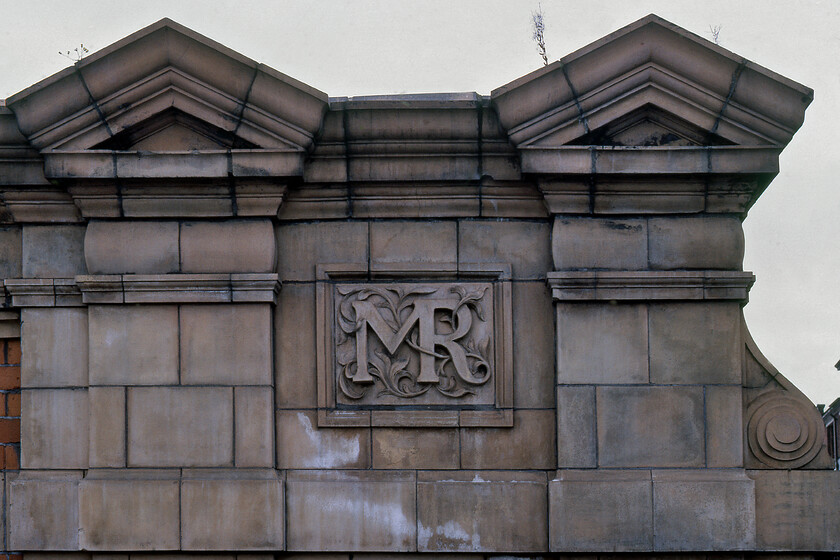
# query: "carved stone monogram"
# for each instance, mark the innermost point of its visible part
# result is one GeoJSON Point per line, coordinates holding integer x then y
{"type": "Point", "coordinates": [420, 343]}
{"type": "Point", "coordinates": [429, 352]}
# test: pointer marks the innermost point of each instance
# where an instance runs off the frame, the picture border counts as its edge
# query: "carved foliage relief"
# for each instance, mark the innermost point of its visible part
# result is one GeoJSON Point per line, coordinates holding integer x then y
{"type": "Point", "coordinates": [392, 348]}
{"type": "Point", "coordinates": [414, 343]}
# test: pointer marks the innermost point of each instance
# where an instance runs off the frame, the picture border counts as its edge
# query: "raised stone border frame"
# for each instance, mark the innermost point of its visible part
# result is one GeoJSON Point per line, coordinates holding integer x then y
{"type": "Point", "coordinates": [500, 416]}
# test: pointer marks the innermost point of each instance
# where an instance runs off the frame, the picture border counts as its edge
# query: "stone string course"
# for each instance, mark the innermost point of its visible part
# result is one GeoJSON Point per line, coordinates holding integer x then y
{"type": "Point", "coordinates": [541, 353]}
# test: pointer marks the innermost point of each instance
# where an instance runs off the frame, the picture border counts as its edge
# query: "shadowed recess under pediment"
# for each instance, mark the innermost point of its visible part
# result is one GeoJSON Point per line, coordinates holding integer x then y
{"type": "Point", "coordinates": [650, 126]}
{"type": "Point", "coordinates": [174, 131]}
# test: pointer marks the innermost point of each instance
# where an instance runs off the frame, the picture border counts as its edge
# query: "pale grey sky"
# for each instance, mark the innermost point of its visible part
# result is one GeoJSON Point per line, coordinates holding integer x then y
{"type": "Point", "coordinates": [392, 46]}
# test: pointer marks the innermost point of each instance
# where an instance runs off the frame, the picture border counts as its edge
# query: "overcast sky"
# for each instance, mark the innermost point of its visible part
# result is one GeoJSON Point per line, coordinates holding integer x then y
{"type": "Point", "coordinates": [390, 46]}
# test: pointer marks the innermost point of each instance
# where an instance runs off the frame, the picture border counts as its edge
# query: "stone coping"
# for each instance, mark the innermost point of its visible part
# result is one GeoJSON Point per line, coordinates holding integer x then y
{"type": "Point", "coordinates": [650, 285]}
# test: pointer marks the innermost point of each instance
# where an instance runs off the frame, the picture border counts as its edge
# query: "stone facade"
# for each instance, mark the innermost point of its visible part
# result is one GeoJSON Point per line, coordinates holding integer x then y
{"type": "Point", "coordinates": [259, 321]}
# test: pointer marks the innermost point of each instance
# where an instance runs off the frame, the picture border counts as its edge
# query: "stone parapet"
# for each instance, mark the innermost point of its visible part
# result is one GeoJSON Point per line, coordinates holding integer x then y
{"type": "Point", "coordinates": [509, 325]}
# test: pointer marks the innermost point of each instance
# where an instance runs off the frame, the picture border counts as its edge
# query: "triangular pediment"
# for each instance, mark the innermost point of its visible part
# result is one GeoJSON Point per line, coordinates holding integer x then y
{"type": "Point", "coordinates": [714, 96]}
{"type": "Point", "coordinates": [122, 96]}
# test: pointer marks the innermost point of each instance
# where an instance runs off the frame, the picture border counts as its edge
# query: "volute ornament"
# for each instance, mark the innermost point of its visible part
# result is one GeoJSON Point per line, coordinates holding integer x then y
{"type": "Point", "coordinates": [783, 432]}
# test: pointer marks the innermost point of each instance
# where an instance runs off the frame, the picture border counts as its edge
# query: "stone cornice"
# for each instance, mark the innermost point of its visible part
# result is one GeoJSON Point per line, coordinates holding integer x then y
{"type": "Point", "coordinates": [143, 288]}
{"type": "Point", "coordinates": [650, 119]}
{"type": "Point", "coordinates": [179, 288]}
{"type": "Point", "coordinates": [628, 285]}
{"type": "Point", "coordinates": [43, 292]}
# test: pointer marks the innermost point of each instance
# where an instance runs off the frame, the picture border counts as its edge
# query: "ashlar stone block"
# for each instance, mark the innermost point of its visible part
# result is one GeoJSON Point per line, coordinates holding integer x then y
{"type": "Point", "coordinates": [230, 246]}
{"type": "Point", "coordinates": [461, 512]}
{"type": "Point", "coordinates": [724, 415]}
{"type": "Point", "coordinates": [302, 445]}
{"type": "Point", "coordinates": [44, 508]}
{"type": "Point", "coordinates": [524, 245]}
{"type": "Point", "coordinates": [577, 441]}
{"type": "Point", "coordinates": [180, 427]}
{"type": "Point", "coordinates": [53, 251]}
{"type": "Point", "coordinates": [411, 448]}
{"type": "Point", "coordinates": [703, 510]}
{"type": "Point", "coordinates": [129, 514]}
{"type": "Point", "coordinates": [369, 511]}
{"type": "Point", "coordinates": [602, 343]}
{"type": "Point", "coordinates": [300, 247]}
{"type": "Point", "coordinates": [10, 252]}
{"type": "Point", "coordinates": [650, 426]}
{"type": "Point", "coordinates": [232, 513]}
{"type": "Point", "coordinates": [695, 343]}
{"type": "Point", "coordinates": [54, 429]}
{"type": "Point", "coordinates": [608, 511]}
{"type": "Point", "coordinates": [610, 244]}
{"type": "Point", "coordinates": [131, 247]}
{"type": "Point", "coordinates": [793, 509]}
{"type": "Point", "coordinates": [295, 353]}
{"type": "Point", "coordinates": [226, 344]}
{"type": "Point", "coordinates": [133, 345]}
{"type": "Point", "coordinates": [107, 426]}
{"type": "Point", "coordinates": [528, 445]}
{"type": "Point", "coordinates": [254, 430]}
{"type": "Point", "coordinates": [533, 345]}
{"type": "Point", "coordinates": [55, 345]}
{"type": "Point", "coordinates": [413, 245]}
{"type": "Point", "coordinates": [709, 242]}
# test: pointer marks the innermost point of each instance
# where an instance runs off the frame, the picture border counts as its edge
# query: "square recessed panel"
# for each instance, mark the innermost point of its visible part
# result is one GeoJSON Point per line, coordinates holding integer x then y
{"type": "Point", "coordinates": [406, 349]}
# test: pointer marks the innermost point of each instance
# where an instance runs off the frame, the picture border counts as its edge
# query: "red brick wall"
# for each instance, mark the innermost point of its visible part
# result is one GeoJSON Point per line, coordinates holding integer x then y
{"type": "Point", "coordinates": [9, 415]}
{"type": "Point", "coordinates": [10, 404]}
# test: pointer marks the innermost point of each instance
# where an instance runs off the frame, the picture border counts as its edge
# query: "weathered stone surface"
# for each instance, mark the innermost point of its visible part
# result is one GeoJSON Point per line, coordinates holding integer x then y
{"type": "Point", "coordinates": [302, 246]}
{"type": "Point", "coordinates": [132, 247]}
{"type": "Point", "coordinates": [695, 343]}
{"type": "Point", "coordinates": [129, 514]}
{"type": "Point", "coordinates": [56, 344]}
{"type": "Point", "coordinates": [254, 431]}
{"type": "Point", "coordinates": [523, 245]}
{"type": "Point", "coordinates": [580, 243]}
{"type": "Point", "coordinates": [295, 354]}
{"type": "Point", "coordinates": [54, 429]}
{"type": "Point", "coordinates": [53, 251]}
{"type": "Point", "coordinates": [107, 426]}
{"type": "Point", "coordinates": [351, 510]}
{"type": "Point", "coordinates": [528, 445]}
{"type": "Point", "coordinates": [460, 512]}
{"type": "Point", "coordinates": [650, 426]}
{"type": "Point", "coordinates": [226, 344]}
{"type": "Point", "coordinates": [412, 448]}
{"type": "Point", "coordinates": [724, 412]}
{"type": "Point", "coordinates": [784, 430]}
{"type": "Point", "coordinates": [418, 246]}
{"type": "Point", "coordinates": [533, 345]}
{"type": "Point", "coordinates": [608, 511]}
{"type": "Point", "coordinates": [602, 343]}
{"type": "Point", "coordinates": [197, 421]}
{"type": "Point", "coordinates": [793, 509]}
{"type": "Point", "coordinates": [232, 514]}
{"type": "Point", "coordinates": [302, 445]}
{"type": "Point", "coordinates": [577, 440]}
{"type": "Point", "coordinates": [133, 345]}
{"type": "Point", "coordinates": [703, 510]}
{"type": "Point", "coordinates": [230, 246]}
{"type": "Point", "coordinates": [710, 242]}
{"type": "Point", "coordinates": [44, 508]}
{"type": "Point", "coordinates": [10, 252]}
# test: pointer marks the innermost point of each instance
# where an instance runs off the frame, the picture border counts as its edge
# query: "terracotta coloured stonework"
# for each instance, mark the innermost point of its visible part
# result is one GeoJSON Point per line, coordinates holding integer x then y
{"type": "Point", "coordinates": [259, 321]}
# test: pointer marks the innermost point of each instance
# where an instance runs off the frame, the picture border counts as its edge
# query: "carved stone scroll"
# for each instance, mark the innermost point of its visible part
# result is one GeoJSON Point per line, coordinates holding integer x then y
{"type": "Point", "coordinates": [397, 351]}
